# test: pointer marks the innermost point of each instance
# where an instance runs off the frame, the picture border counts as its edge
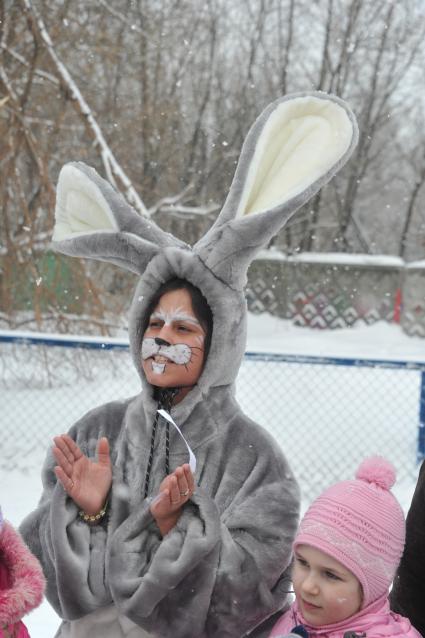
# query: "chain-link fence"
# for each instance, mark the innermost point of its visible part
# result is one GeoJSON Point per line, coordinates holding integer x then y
{"type": "Point", "coordinates": [326, 413]}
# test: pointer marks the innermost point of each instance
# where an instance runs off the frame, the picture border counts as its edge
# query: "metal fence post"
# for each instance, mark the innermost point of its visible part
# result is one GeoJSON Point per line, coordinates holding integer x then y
{"type": "Point", "coordinates": [421, 428]}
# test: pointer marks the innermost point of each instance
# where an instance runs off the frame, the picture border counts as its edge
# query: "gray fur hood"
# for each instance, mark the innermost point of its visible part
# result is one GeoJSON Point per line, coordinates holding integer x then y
{"type": "Point", "coordinates": [296, 145]}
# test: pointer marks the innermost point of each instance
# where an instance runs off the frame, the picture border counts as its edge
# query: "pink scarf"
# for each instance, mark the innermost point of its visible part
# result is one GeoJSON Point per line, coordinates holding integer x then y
{"type": "Point", "coordinates": [374, 620]}
{"type": "Point", "coordinates": [18, 630]}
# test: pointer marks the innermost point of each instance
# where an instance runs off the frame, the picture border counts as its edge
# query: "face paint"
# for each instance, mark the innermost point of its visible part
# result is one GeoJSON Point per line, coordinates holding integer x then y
{"type": "Point", "coordinates": [158, 368]}
{"type": "Point", "coordinates": [177, 314]}
{"type": "Point", "coordinates": [179, 353]}
{"type": "Point", "coordinates": [173, 343]}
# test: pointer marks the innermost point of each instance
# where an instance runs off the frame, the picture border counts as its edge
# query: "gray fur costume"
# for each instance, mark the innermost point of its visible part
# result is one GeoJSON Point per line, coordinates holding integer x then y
{"type": "Point", "coordinates": [222, 569]}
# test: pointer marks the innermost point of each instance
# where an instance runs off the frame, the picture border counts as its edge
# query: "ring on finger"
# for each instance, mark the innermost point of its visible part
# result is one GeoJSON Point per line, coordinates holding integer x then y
{"type": "Point", "coordinates": [184, 493]}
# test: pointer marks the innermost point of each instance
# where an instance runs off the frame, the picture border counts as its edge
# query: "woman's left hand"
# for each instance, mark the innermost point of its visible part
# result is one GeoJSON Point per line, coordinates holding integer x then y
{"type": "Point", "coordinates": [174, 491]}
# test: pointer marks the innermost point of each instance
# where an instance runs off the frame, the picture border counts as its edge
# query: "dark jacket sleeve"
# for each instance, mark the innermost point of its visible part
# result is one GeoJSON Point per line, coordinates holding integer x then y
{"type": "Point", "coordinates": [407, 596]}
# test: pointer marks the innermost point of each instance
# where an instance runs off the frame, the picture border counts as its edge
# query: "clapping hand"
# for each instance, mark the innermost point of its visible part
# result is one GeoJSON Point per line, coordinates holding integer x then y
{"type": "Point", "coordinates": [174, 491]}
{"type": "Point", "coordinates": [87, 482]}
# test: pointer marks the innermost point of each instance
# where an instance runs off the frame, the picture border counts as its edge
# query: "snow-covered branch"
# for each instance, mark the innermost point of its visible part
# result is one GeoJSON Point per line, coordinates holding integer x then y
{"type": "Point", "coordinates": [112, 167]}
{"type": "Point", "coordinates": [172, 200]}
{"type": "Point", "coordinates": [183, 211]}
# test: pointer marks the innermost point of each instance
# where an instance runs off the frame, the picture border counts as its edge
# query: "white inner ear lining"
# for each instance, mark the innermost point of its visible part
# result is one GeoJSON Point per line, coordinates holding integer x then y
{"type": "Point", "coordinates": [301, 141]}
{"type": "Point", "coordinates": [81, 207]}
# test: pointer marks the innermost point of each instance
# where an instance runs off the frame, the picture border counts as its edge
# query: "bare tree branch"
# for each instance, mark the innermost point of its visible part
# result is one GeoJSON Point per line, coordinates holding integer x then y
{"type": "Point", "coordinates": [42, 74]}
{"type": "Point", "coordinates": [284, 63]}
{"type": "Point", "coordinates": [112, 168]}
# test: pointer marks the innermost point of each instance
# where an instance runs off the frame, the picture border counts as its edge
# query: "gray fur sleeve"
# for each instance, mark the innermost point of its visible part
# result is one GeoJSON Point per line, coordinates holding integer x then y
{"type": "Point", "coordinates": [216, 573]}
{"type": "Point", "coordinates": [71, 552]}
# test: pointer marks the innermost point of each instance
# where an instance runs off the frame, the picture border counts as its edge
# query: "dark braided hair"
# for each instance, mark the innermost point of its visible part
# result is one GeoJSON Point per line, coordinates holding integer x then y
{"type": "Point", "coordinates": [165, 396]}
{"type": "Point", "coordinates": [165, 400]}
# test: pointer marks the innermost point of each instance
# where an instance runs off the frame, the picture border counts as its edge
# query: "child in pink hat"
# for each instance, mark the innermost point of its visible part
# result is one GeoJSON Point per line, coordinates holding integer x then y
{"type": "Point", "coordinates": [347, 550]}
{"type": "Point", "coordinates": [21, 582]}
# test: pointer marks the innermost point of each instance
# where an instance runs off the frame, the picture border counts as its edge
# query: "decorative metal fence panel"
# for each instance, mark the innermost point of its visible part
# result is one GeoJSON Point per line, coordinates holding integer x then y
{"type": "Point", "coordinates": [335, 291]}
{"type": "Point", "coordinates": [413, 316]}
{"type": "Point", "coordinates": [325, 413]}
{"type": "Point", "coordinates": [329, 291]}
{"type": "Point", "coordinates": [317, 290]}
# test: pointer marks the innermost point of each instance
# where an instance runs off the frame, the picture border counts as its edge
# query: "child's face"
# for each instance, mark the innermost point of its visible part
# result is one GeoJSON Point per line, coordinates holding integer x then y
{"type": "Point", "coordinates": [326, 591]}
{"type": "Point", "coordinates": [173, 344]}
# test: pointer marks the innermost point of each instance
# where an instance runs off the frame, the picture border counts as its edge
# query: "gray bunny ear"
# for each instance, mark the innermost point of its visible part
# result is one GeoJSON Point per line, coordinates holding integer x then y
{"type": "Point", "coordinates": [295, 147]}
{"type": "Point", "coordinates": [93, 220]}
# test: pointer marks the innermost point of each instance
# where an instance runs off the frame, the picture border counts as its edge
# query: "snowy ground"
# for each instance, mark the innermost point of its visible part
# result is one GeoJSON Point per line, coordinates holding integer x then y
{"type": "Point", "coordinates": [21, 487]}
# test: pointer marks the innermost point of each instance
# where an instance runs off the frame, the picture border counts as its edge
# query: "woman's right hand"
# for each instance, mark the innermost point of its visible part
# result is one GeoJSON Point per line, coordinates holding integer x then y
{"type": "Point", "coordinates": [87, 482]}
{"type": "Point", "coordinates": [175, 490]}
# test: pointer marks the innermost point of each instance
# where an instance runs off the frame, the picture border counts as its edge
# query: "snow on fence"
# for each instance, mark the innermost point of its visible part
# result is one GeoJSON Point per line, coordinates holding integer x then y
{"type": "Point", "coordinates": [326, 413]}
{"type": "Point", "coordinates": [337, 290]}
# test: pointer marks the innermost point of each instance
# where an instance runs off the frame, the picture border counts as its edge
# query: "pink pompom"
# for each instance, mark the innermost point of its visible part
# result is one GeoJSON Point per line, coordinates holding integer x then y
{"type": "Point", "coordinates": [377, 470]}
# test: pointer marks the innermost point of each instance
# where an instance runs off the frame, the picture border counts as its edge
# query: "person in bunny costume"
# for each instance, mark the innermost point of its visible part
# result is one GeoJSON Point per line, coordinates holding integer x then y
{"type": "Point", "coordinates": [162, 549]}
{"type": "Point", "coordinates": [21, 582]}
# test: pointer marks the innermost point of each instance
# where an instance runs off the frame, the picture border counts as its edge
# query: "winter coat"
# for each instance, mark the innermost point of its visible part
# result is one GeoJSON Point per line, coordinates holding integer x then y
{"type": "Point", "coordinates": [407, 595]}
{"type": "Point", "coordinates": [374, 621]}
{"type": "Point", "coordinates": [21, 583]}
{"type": "Point", "coordinates": [223, 567]}
{"type": "Point", "coordinates": [230, 546]}
{"type": "Point", "coordinates": [17, 630]}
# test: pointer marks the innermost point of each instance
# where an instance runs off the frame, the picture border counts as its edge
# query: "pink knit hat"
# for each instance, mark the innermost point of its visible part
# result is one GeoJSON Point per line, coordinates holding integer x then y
{"type": "Point", "coordinates": [360, 524]}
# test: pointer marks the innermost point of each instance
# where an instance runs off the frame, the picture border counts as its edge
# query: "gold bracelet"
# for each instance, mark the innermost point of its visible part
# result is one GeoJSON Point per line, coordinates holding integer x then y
{"type": "Point", "coordinates": [93, 519]}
